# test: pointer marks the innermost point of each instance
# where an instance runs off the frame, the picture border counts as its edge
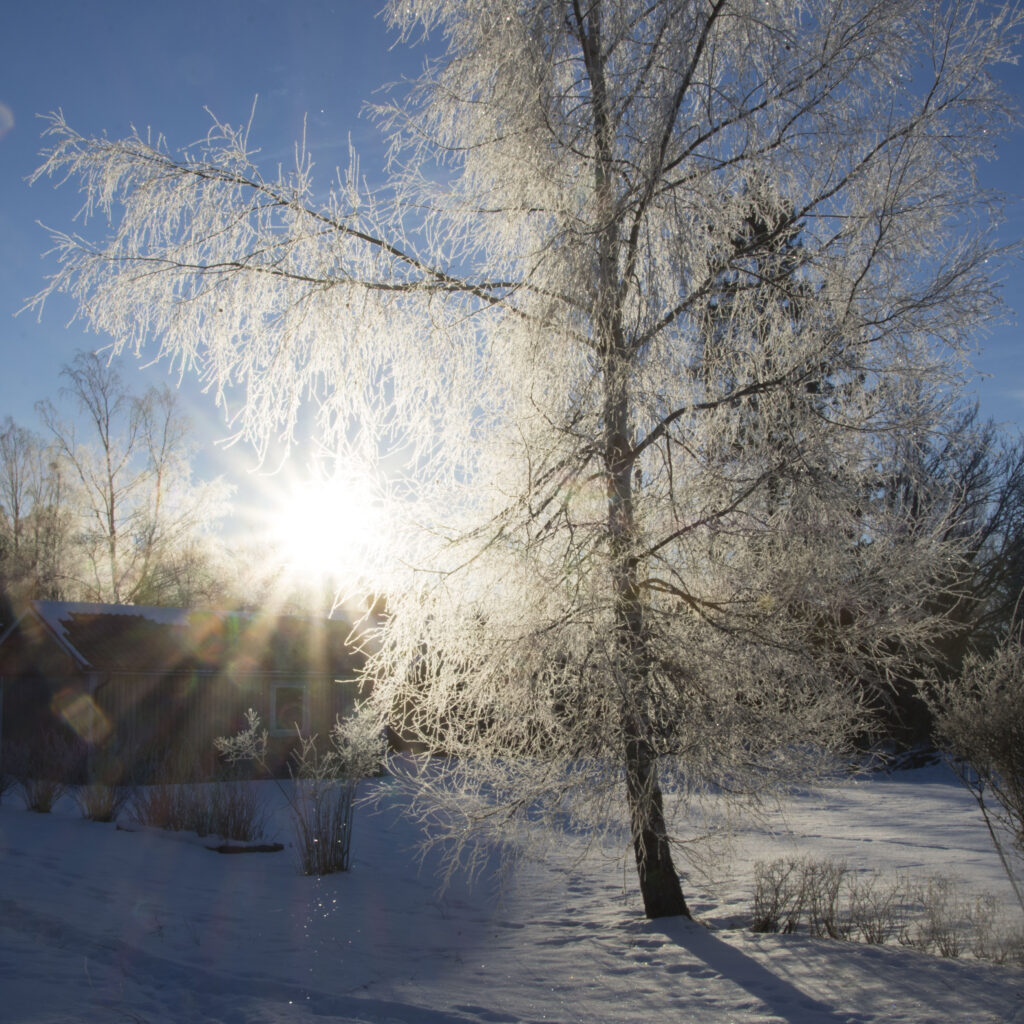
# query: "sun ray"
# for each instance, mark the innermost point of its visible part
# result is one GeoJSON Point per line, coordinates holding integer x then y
{"type": "Point", "coordinates": [329, 529]}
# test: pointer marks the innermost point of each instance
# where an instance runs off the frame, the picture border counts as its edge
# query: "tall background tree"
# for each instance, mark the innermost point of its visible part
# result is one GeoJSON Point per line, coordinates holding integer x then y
{"type": "Point", "coordinates": [648, 300]}
{"type": "Point", "coordinates": [35, 527]}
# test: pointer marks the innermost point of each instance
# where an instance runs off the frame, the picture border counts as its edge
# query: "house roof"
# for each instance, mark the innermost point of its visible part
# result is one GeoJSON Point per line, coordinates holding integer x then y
{"type": "Point", "coordinates": [137, 638]}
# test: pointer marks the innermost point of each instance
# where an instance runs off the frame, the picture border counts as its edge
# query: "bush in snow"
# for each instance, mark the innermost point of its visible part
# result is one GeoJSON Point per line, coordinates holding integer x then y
{"type": "Point", "coordinates": [778, 896]}
{"type": "Point", "coordinates": [979, 719]}
{"type": "Point", "coordinates": [103, 792]}
{"type": "Point", "coordinates": [323, 784]}
{"type": "Point", "coordinates": [933, 915]}
{"type": "Point", "coordinates": [878, 908]}
{"type": "Point", "coordinates": [995, 937]}
{"type": "Point", "coordinates": [44, 769]}
{"type": "Point", "coordinates": [101, 801]}
{"type": "Point", "coordinates": [786, 891]}
{"type": "Point", "coordinates": [235, 810]}
{"type": "Point", "coordinates": [232, 810]}
{"type": "Point", "coordinates": [6, 781]}
{"type": "Point", "coordinates": [823, 882]}
{"type": "Point", "coordinates": [179, 801]}
{"type": "Point", "coordinates": [944, 919]}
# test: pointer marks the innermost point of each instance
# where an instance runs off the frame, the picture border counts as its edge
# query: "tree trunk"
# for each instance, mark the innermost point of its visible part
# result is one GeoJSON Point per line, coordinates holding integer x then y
{"type": "Point", "coordinates": [659, 884]}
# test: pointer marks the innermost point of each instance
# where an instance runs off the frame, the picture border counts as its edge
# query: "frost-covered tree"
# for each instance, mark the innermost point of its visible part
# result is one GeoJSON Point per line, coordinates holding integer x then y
{"type": "Point", "coordinates": [650, 296]}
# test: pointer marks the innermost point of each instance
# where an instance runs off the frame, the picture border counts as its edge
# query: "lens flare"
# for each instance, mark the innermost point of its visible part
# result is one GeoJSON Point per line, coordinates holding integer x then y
{"type": "Point", "coordinates": [80, 712]}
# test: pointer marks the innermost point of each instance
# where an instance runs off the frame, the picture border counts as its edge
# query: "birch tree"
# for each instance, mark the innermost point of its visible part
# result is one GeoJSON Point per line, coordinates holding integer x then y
{"type": "Point", "coordinates": [649, 297]}
{"type": "Point", "coordinates": [137, 510]}
{"type": "Point", "coordinates": [35, 527]}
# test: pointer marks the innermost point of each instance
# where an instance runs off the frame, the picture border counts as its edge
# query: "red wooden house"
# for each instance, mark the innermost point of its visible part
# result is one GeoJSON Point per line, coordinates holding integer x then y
{"type": "Point", "coordinates": [145, 683]}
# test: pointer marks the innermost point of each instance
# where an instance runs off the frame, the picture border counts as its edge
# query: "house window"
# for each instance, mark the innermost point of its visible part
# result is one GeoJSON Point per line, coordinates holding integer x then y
{"type": "Point", "coordinates": [289, 708]}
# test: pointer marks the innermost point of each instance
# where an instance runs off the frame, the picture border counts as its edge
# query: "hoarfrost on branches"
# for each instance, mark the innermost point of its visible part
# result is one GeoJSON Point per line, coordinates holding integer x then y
{"type": "Point", "coordinates": [653, 295]}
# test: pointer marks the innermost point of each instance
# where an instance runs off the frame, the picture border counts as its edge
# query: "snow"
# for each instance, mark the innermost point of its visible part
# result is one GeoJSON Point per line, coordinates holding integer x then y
{"type": "Point", "coordinates": [101, 924]}
{"type": "Point", "coordinates": [56, 615]}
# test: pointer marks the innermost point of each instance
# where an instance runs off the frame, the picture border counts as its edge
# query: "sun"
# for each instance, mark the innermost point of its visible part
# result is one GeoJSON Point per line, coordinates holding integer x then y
{"type": "Point", "coordinates": [330, 527]}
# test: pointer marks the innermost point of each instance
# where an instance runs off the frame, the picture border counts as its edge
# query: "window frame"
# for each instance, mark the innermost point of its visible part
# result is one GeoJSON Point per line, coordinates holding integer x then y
{"type": "Point", "coordinates": [303, 688]}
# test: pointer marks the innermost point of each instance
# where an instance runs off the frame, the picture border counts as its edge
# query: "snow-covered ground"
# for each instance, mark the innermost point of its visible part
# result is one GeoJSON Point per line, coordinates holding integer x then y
{"type": "Point", "coordinates": [98, 924]}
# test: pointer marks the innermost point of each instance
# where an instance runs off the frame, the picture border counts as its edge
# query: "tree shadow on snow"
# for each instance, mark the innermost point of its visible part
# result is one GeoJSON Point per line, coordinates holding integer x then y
{"type": "Point", "coordinates": [778, 996]}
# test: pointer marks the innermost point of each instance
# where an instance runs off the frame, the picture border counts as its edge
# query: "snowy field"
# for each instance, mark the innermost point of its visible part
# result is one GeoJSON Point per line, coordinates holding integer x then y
{"type": "Point", "coordinates": [98, 924]}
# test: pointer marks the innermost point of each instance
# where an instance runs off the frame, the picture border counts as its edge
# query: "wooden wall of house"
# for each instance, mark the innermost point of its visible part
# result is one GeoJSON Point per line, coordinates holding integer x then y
{"type": "Point", "coordinates": [169, 723]}
{"type": "Point", "coordinates": [29, 706]}
{"type": "Point", "coordinates": [33, 671]}
{"type": "Point", "coordinates": [140, 725]}
{"type": "Point", "coordinates": [37, 678]}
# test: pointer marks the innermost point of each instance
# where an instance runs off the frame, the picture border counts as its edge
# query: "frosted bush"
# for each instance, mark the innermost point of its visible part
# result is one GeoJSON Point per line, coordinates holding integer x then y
{"type": "Point", "coordinates": [778, 896]}
{"type": "Point", "coordinates": [934, 914]}
{"type": "Point", "coordinates": [877, 907]}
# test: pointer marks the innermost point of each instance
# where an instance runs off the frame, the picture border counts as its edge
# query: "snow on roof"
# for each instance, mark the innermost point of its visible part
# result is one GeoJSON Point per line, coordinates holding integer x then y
{"type": "Point", "coordinates": [143, 638]}
{"type": "Point", "coordinates": [59, 617]}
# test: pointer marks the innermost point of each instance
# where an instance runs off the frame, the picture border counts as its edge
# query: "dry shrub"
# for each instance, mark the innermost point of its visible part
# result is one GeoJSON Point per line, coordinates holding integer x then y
{"type": "Point", "coordinates": [104, 792]}
{"type": "Point", "coordinates": [235, 810]}
{"type": "Point", "coordinates": [101, 801]}
{"type": "Point", "coordinates": [44, 769]}
{"type": "Point", "coordinates": [933, 915]}
{"type": "Point", "coordinates": [943, 922]}
{"type": "Point", "coordinates": [162, 805]}
{"type": "Point", "coordinates": [822, 882]}
{"type": "Point", "coordinates": [180, 797]}
{"type": "Point", "coordinates": [231, 810]}
{"type": "Point", "coordinates": [322, 817]}
{"type": "Point", "coordinates": [877, 907]}
{"type": "Point", "coordinates": [996, 938]}
{"type": "Point", "coordinates": [40, 795]}
{"type": "Point", "coordinates": [778, 896]}
{"type": "Point", "coordinates": [786, 891]}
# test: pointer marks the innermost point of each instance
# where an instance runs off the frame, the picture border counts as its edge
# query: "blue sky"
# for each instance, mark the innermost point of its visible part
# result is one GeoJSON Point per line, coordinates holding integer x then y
{"type": "Point", "coordinates": [115, 63]}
